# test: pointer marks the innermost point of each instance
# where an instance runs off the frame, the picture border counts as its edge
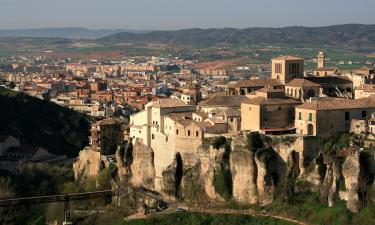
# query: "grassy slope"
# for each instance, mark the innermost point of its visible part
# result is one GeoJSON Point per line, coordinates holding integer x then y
{"type": "Point", "coordinates": [205, 219]}
{"type": "Point", "coordinates": [58, 129]}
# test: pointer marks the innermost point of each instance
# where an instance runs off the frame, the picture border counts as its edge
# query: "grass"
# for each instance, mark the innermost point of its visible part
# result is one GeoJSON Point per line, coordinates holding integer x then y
{"type": "Point", "coordinates": [207, 219]}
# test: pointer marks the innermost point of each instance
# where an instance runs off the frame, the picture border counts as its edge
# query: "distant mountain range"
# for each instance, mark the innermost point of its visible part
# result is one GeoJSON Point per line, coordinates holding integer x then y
{"type": "Point", "coordinates": [347, 35]}
{"type": "Point", "coordinates": [357, 35]}
{"type": "Point", "coordinates": [67, 32]}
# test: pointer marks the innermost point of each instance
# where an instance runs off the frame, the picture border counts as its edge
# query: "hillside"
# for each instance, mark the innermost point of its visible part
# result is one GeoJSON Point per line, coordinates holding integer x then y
{"type": "Point", "coordinates": [60, 130]}
{"type": "Point", "coordinates": [64, 32]}
{"type": "Point", "coordinates": [338, 35]}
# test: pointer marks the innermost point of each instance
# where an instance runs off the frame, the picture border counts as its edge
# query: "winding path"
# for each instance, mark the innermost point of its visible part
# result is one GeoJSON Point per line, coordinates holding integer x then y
{"type": "Point", "coordinates": [250, 213]}
{"type": "Point", "coordinates": [223, 211]}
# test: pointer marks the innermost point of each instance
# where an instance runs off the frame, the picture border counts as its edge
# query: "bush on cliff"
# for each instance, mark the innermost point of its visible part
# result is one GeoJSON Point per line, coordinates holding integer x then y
{"type": "Point", "coordinates": [223, 177]}
{"type": "Point", "coordinates": [254, 142]}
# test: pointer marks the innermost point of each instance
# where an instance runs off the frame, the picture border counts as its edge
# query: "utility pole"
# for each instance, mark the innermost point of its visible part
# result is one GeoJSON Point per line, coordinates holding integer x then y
{"type": "Point", "coordinates": [67, 212]}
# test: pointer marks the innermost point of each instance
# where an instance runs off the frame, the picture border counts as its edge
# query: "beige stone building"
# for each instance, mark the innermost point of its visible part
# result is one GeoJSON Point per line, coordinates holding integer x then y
{"type": "Point", "coordinates": [334, 86]}
{"type": "Point", "coordinates": [268, 111]}
{"type": "Point", "coordinates": [302, 89]}
{"type": "Point", "coordinates": [191, 94]}
{"type": "Point", "coordinates": [364, 91]}
{"type": "Point", "coordinates": [328, 117]}
{"type": "Point", "coordinates": [161, 127]}
{"type": "Point", "coordinates": [320, 59]}
{"type": "Point", "coordinates": [325, 71]}
{"type": "Point", "coordinates": [151, 119]}
{"type": "Point", "coordinates": [106, 135]}
{"type": "Point", "coordinates": [244, 87]}
{"type": "Point", "coordinates": [220, 102]}
{"type": "Point", "coordinates": [286, 68]}
{"type": "Point", "coordinates": [322, 70]}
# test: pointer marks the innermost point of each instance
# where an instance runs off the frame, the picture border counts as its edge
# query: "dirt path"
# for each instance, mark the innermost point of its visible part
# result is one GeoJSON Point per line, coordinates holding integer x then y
{"type": "Point", "coordinates": [250, 213]}
{"type": "Point", "coordinates": [223, 211]}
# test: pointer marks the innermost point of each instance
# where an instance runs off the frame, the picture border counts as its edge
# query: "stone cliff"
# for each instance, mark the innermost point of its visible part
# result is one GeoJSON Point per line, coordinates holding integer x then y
{"type": "Point", "coordinates": [88, 164]}
{"type": "Point", "coordinates": [142, 167]}
{"type": "Point", "coordinates": [250, 169]}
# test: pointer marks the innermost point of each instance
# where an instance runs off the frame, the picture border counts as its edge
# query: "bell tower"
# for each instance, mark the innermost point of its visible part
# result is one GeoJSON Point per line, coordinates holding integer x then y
{"type": "Point", "coordinates": [320, 59]}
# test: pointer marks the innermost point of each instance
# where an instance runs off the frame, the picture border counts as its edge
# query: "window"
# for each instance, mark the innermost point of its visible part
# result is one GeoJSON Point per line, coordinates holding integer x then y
{"type": "Point", "coordinates": [176, 131]}
{"type": "Point", "coordinates": [347, 116]}
{"type": "Point", "coordinates": [310, 116]}
{"type": "Point", "coordinates": [364, 113]}
{"type": "Point", "coordinates": [231, 119]}
{"type": "Point", "coordinates": [153, 136]}
{"type": "Point", "coordinates": [166, 139]}
{"type": "Point", "coordinates": [197, 133]}
{"type": "Point", "coordinates": [188, 132]}
{"type": "Point", "coordinates": [279, 108]}
{"type": "Point", "coordinates": [299, 115]}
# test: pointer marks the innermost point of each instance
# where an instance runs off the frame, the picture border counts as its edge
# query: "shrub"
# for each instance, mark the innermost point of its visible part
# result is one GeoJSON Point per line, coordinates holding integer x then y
{"type": "Point", "coordinates": [219, 142]}
{"type": "Point", "coordinates": [223, 183]}
{"type": "Point", "coordinates": [254, 142]}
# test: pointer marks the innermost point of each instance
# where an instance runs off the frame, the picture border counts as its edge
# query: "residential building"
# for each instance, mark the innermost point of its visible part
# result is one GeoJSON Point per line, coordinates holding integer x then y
{"type": "Point", "coordinates": [268, 111]}
{"type": "Point", "coordinates": [330, 116]}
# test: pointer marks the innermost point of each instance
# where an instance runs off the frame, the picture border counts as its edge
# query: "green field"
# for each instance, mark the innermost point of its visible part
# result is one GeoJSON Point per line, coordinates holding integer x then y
{"type": "Point", "coordinates": [207, 219]}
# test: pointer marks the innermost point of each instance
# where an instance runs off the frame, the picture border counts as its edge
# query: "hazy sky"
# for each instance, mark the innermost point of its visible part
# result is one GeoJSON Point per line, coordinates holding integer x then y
{"type": "Point", "coordinates": [174, 14]}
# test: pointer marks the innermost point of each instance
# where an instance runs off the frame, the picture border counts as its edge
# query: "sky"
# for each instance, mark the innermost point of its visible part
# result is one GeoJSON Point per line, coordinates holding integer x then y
{"type": "Point", "coordinates": [180, 14]}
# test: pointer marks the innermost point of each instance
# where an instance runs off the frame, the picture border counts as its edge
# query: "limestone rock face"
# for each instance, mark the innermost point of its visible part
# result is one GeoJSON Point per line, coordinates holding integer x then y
{"type": "Point", "coordinates": [329, 187]}
{"type": "Point", "coordinates": [265, 181]}
{"type": "Point", "coordinates": [122, 170]}
{"type": "Point", "coordinates": [172, 177]}
{"type": "Point", "coordinates": [351, 173]}
{"type": "Point", "coordinates": [316, 176]}
{"type": "Point", "coordinates": [87, 164]}
{"type": "Point", "coordinates": [210, 159]}
{"type": "Point", "coordinates": [191, 184]}
{"type": "Point", "coordinates": [244, 172]}
{"type": "Point", "coordinates": [143, 169]}
{"type": "Point", "coordinates": [336, 176]}
{"type": "Point", "coordinates": [124, 159]}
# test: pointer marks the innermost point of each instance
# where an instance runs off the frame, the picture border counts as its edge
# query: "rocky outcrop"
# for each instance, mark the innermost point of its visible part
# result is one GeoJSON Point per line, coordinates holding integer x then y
{"type": "Point", "coordinates": [172, 176]}
{"type": "Point", "coordinates": [143, 169]}
{"type": "Point", "coordinates": [192, 188]}
{"type": "Point", "coordinates": [351, 172]}
{"type": "Point", "coordinates": [124, 159]}
{"type": "Point", "coordinates": [87, 164]}
{"type": "Point", "coordinates": [264, 159]}
{"type": "Point", "coordinates": [210, 159]}
{"type": "Point", "coordinates": [316, 176]}
{"type": "Point", "coordinates": [244, 172]}
{"type": "Point", "coordinates": [255, 169]}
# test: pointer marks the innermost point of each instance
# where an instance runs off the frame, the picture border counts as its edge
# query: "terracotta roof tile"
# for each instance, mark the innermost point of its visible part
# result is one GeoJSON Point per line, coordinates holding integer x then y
{"type": "Point", "coordinates": [256, 83]}
{"type": "Point", "coordinates": [302, 83]}
{"type": "Point", "coordinates": [223, 100]}
{"type": "Point", "coordinates": [288, 57]}
{"type": "Point", "coordinates": [339, 104]}
{"type": "Point", "coordinates": [270, 101]}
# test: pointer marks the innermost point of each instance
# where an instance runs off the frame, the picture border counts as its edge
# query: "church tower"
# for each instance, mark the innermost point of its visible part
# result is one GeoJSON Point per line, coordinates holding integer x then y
{"type": "Point", "coordinates": [320, 59]}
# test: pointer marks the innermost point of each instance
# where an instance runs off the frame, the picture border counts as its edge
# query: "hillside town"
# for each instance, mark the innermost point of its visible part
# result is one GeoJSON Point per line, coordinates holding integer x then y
{"type": "Point", "coordinates": [174, 111]}
{"type": "Point", "coordinates": [164, 111]}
